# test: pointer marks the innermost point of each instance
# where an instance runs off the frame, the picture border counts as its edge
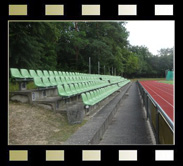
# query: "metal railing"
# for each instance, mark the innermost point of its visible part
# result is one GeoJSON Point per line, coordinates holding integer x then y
{"type": "Point", "coordinates": [162, 125]}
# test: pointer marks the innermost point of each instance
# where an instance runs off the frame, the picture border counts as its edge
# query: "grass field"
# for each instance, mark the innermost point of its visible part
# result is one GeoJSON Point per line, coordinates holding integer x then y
{"type": "Point", "coordinates": [167, 82]}
{"type": "Point", "coordinates": [146, 79]}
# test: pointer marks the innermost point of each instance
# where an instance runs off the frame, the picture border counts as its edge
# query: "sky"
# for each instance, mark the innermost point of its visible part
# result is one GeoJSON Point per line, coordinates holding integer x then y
{"type": "Point", "coordinates": [152, 34]}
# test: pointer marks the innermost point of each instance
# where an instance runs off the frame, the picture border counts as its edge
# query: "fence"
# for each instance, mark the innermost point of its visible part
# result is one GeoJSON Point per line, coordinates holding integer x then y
{"type": "Point", "coordinates": [162, 125]}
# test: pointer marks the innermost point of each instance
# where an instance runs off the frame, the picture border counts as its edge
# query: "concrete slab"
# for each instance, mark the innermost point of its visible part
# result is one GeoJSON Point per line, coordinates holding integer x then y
{"type": "Point", "coordinates": [129, 126]}
{"type": "Point", "coordinates": [32, 95]}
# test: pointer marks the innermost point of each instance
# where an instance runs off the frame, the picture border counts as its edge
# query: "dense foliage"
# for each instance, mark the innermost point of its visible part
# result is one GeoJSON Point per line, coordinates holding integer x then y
{"type": "Point", "coordinates": [67, 46]}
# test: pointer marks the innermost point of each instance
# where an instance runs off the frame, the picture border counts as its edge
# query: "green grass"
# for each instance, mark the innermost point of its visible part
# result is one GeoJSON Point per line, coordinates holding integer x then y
{"type": "Point", "coordinates": [146, 79]}
{"type": "Point", "coordinates": [167, 82]}
{"type": "Point", "coordinates": [15, 86]}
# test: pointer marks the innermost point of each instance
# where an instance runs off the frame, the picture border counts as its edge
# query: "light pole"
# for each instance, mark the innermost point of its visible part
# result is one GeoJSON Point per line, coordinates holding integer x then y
{"type": "Point", "coordinates": [98, 67]}
{"type": "Point", "coordinates": [89, 65]}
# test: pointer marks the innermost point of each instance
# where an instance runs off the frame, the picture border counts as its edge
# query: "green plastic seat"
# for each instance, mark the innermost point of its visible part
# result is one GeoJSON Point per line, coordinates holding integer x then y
{"type": "Point", "coordinates": [62, 92]}
{"type": "Point", "coordinates": [46, 74]}
{"type": "Point", "coordinates": [63, 73]}
{"type": "Point", "coordinates": [72, 73]}
{"type": "Point", "coordinates": [63, 80]}
{"type": "Point", "coordinates": [85, 99]}
{"type": "Point", "coordinates": [77, 79]}
{"type": "Point", "coordinates": [67, 73]}
{"type": "Point", "coordinates": [78, 89]}
{"type": "Point", "coordinates": [90, 85]}
{"type": "Point", "coordinates": [73, 89]}
{"type": "Point", "coordinates": [67, 80]}
{"type": "Point", "coordinates": [90, 100]}
{"type": "Point", "coordinates": [55, 73]}
{"type": "Point", "coordinates": [46, 81]}
{"type": "Point", "coordinates": [60, 73]}
{"type": "Point", "coordinates": [59, 82]}
{"type": "Point", "coordinates": [82, 79]}
{"type": "Point", "coordinates": [25, 73]}
{"type": "Point", "coordinates": [33, 73]}
{"type": "Point", "coordinates": [95, 84]}
{"type": "Point", "coordinates": [83, 85]}
{"type": "Point", "coordinates": [103, 93]}
{"type": "Point", "coordinates": [52, 80]}
{"type": "Point", "coordinates": [68, 90]}
{"type": "Point", "coordinates": [15, 73]}
{"type": "Point", "coordinates": [97, 95]}
{"type": "Point", "coordinates": [94, 98]}
{"type": "Point", "coordinates": [72, 80]}
{"type": "Point", "coordinates": [38, 82]}
{"type": "Point", "coordinates": [51, 73]}
{"type": "Point", "coordinates": [40, 73]}
{"type": "Point", "coordinates": [87, 86]}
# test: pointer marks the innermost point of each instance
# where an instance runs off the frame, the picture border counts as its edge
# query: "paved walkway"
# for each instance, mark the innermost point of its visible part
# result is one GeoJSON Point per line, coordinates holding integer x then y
{"type": "Point", "coordinates": [129, 125]}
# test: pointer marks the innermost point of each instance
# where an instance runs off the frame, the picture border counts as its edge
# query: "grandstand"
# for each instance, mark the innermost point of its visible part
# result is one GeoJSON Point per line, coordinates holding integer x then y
{"type": "Point", "coordinates": [64, 91]}
{"type": "Point", "coordinates": [103, 96]}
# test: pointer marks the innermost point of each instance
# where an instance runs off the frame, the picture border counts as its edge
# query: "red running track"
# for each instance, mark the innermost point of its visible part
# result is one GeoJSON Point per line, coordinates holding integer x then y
{"type": "Point", "coordinates": [162, 93]}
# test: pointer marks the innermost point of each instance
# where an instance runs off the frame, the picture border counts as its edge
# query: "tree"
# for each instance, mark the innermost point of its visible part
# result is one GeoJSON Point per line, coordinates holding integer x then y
{"type": "Point", "coordinates": [32, 45]}
{"type": "Point", "coordinates": [67, 46]}
{"type": "Point", "coordinates": [132, 65]}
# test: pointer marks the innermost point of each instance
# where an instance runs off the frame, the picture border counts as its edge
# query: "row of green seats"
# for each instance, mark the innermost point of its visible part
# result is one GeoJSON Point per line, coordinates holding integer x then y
{"type": "Point", "coordinates": [113, 79]}
{"type": "Point", "coordinates": [95, 96]}
{"type": "Point", "coordinates": [43, 82]}
{"type": "Point", "coordinates": [109, 77]}
{"type": "Point", "coordinates": [117, 80]}
{"type": "Point", "coordinates": [68, 90]}
{"type": "Point", "coordinates": [24, 73]}
{"type": "Point", "coordinates": [51, 81]}
{"type": "Point", "coordinates": [121, 84]}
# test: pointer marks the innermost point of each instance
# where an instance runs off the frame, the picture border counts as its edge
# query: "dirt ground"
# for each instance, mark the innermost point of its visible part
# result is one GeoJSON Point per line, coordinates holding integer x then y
{"type": "Point", "coordinates": [31, 125]}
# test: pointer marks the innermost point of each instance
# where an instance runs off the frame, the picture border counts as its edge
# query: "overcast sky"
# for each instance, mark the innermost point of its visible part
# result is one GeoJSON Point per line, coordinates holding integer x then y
{"type": "Point", "coordinates": [152, 34]}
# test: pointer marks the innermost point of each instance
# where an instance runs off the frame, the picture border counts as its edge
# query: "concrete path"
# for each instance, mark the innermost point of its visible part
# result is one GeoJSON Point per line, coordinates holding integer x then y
{"type": "Point", "coordinates": [129, 125]}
